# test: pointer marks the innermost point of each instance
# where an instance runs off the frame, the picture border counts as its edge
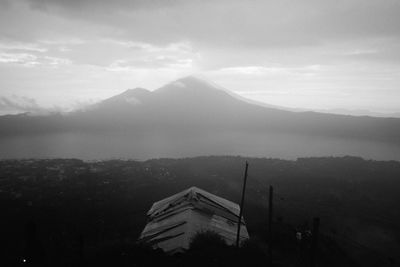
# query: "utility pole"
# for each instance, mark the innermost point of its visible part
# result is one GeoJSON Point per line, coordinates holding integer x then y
{"type": "Point", "coordinates": [241, 205]}
{"type": "Point", "coordinates": [314, 242]}
{"type": "Point", "coordinates": [270, 215]}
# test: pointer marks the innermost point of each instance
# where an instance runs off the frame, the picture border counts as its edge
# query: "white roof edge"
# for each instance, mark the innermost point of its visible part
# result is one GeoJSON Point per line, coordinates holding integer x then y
{"type": "Point", "coordinates": [233, 207]}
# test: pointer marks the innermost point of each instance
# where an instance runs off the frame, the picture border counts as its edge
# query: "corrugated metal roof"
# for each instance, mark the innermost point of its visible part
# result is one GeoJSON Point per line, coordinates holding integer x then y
{"type": "Point", "coordinates": [174, 221]}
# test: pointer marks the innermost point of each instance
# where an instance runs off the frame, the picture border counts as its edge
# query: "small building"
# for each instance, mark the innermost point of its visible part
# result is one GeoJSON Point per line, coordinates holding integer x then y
{"type": "Point", "coordinates": [173, 221]}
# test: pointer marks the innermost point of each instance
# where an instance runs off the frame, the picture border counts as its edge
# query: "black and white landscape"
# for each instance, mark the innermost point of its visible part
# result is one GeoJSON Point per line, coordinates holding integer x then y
{"type": "Point", "coordinates": [192, 117]}
{"type": "Point", "coordinates": [286, 112]}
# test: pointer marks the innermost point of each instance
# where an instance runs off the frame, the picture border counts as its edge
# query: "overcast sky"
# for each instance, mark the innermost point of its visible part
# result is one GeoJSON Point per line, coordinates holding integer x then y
{"type": "Point", "coordinates": [342, 54]}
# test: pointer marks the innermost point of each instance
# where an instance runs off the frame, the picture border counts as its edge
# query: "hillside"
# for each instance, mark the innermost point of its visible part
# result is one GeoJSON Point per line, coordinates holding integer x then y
{"type": "Point", "coordinates": [106, 202]}
{"type": "Point", "coordinates": [191, 117]}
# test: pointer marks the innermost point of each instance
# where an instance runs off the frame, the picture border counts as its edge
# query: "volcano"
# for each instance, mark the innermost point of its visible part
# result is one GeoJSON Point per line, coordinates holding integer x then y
{"type": "Point", "coordinates": [191, 117]}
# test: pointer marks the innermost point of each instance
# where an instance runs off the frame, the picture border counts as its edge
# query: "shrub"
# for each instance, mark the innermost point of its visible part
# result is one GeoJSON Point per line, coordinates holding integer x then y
{"type": "Point", "coordinates": [205, 240]}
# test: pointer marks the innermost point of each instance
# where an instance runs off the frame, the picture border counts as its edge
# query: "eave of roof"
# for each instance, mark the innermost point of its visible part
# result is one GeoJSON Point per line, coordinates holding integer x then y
{"type": "Point", "coordinates": [192, 192]}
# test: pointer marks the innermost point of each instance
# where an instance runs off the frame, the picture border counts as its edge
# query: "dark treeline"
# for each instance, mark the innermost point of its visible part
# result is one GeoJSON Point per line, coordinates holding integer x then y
{"type": "Point", "coordinates": [91, 213]}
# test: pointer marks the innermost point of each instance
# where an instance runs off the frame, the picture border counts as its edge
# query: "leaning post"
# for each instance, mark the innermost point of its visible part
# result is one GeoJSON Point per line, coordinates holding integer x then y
{"type": "Point", "coordinates": [270, 216]}
{"type": "Point", "coordinates": [241, 205]}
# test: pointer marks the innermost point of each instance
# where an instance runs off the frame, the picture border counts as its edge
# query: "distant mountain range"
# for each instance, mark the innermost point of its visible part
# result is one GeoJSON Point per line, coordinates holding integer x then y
{"type": "Point", "coordinates": [191, 117]}
{"type": "Point", "coordinates": [360, 112]}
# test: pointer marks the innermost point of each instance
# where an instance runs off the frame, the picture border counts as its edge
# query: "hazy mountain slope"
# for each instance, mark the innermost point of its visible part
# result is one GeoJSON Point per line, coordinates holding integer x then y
{"type": "Point", "coordinates": [198, 104]}
{"type": "Point", "coordinates": [191, 117]}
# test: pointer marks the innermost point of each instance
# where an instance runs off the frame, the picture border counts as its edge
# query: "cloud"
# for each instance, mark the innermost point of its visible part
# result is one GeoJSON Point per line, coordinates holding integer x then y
{"type": "Point", "coordinates": [20, 104]}
{"type": "Point", "coordinates": [20, 58]}
{"type": "Point", "coordinates": [229, 22]}
{"type": "Point", "coordinates": [155, 63]}
{"type": "Point", "coordinates": [301, 71]}
{"type": "Point", "coordinates": [27, 47]}
{"type": "Point", "coordinates": [116, 4]}
{"type": "Point", "coordinates": [30, 60]}
{"type": "Point", "coordinates": [235, 26]}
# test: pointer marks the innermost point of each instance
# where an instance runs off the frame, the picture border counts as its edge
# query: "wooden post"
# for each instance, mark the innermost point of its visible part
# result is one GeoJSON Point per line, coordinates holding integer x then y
{"type": "Point", "coordinates": [241, 206]}
{"type": "Point", "coordinates": [270, 216]}
{"type": "Point", "coordinates": [314, 242]}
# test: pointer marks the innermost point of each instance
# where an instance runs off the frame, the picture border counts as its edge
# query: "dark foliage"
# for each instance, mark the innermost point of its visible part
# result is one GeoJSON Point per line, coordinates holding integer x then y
{"type": "Point", "coordinates": [91, 213]}
{"type": "Point", "coordinates": [207, 240]}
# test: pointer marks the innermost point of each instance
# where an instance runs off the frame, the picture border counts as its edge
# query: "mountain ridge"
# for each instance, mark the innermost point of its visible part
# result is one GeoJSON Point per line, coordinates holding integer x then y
{"type": "Point", "coordinates": [190, 117]}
